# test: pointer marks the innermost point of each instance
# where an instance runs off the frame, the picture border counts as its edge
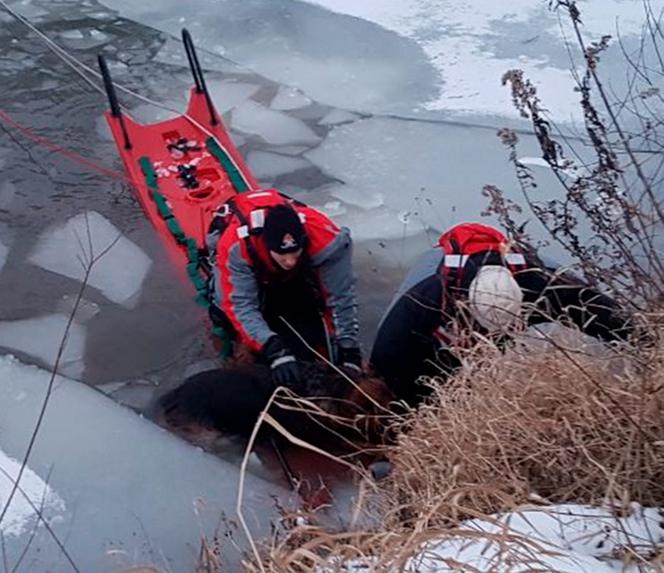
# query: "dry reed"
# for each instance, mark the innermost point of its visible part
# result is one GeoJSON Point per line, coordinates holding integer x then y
{"type": "Point", "coordinates": [558, 424]}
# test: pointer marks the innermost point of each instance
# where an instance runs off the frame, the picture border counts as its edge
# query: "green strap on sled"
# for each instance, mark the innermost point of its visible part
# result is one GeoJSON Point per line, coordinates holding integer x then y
{"type": "Point", "coordinates": [148, 172]}
{"type": "Point", "coordinates": [162, 205]}
{"type": "Point", "coordinates": [193, 256]}
{"type": "Point", "coordinates": [229, 167]}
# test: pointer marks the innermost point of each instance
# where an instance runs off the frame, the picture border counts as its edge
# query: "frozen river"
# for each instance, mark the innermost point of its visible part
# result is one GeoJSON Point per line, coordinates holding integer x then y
{"type": "Point", "coordinates": [383, 113]}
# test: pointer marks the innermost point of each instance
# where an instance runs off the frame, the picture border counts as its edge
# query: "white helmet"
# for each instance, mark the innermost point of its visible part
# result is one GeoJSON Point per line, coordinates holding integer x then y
{"type": "Point", "coordinates": [494, 298]}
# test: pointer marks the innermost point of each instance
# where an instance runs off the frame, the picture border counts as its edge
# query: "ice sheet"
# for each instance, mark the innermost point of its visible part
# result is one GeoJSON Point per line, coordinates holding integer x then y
{"type": "Point", "coordinates": [334, 59]}
{"type": "Point", "coordinates": [274, 127]}
{"type": "Point", "coordinates": [359, 198]}
{"type": "Point", "coordinates": [267, 166]}
{"type": "Point", "coordinates": [40, 338]}
{"type": "Point", "coordinates": [337, 116]}
{"type": "Point", "coordinates": [404, 55]}
{"type": "Point", "coordinates": [288, 98]}
{"type": "Point", "coordinates": [227, 95]}
{"type": "Point", "coordinates": [118, 274]}
{"type": "Point", "coordinates": [133, 492]}
{"type": "Point", "coordinates": [429, 175]}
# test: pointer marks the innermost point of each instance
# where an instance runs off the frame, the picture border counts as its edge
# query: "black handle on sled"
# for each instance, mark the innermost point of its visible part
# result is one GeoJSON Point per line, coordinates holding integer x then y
{"type": "Point", "coordinates": [113, 98]}
{"type": "Point", "coordinates": [197, 72]}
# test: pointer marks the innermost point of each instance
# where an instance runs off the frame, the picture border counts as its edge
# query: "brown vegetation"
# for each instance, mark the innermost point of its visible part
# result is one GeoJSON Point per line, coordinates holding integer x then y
{"type": "Point", "coordinates": [560, 424]}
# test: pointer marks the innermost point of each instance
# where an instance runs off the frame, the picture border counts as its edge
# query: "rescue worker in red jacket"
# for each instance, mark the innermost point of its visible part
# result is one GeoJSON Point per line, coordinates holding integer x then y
{"type": "Point", "coordinates": [473, 282]}
{"type": "Point", "coordinates": [274, 258]}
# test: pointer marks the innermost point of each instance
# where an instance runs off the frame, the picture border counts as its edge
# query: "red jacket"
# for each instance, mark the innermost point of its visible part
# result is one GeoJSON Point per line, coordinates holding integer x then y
{"type": "Point", "coordinates": [243, 262]}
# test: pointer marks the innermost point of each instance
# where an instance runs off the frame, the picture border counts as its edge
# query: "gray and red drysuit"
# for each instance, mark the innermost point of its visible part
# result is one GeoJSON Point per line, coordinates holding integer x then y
{"type": "Point", "coordinates": [252, 294]}
{"type": "Point", "coordinates": [415, 336]}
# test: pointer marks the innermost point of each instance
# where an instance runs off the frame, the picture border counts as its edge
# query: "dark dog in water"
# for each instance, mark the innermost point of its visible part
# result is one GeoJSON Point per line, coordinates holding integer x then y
{"type": "Point", "coordinates": [229, 401]}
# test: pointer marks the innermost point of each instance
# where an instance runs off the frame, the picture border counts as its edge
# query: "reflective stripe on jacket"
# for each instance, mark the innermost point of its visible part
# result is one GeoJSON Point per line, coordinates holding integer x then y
{"type": "Point", "coordinates": [239, 269]}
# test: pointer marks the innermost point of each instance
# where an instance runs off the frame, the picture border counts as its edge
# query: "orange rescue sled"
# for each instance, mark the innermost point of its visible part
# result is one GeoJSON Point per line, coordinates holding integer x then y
{"type": "Point", "coordinates": [181, 169]}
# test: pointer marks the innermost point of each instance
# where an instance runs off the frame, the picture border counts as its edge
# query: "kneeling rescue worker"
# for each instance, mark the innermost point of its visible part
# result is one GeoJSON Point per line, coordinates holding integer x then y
{"type": "Point", "coordinates": [473, 282]}
{"type": "Point", "coordinates": [277, 261]}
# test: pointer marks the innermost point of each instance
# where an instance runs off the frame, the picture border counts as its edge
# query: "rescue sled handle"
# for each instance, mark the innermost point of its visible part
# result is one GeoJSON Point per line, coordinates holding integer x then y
{"type": "Point", "coordinates": [197, 72]}
{"type": "Point", "coordinates": [113, 98]}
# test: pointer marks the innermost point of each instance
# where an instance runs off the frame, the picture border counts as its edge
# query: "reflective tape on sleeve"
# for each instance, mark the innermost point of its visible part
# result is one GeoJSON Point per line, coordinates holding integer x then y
{"type": "Point", "coordinates": [455, 261]}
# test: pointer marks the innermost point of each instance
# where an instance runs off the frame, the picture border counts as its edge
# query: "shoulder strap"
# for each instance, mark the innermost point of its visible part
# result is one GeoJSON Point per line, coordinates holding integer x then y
{"type": "Point", "coordinates": [251, 249]}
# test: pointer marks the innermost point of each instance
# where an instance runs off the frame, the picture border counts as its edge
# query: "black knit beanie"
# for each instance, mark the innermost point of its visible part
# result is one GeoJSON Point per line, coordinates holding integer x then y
{"type": "Point", "coordinates": [283, 230]}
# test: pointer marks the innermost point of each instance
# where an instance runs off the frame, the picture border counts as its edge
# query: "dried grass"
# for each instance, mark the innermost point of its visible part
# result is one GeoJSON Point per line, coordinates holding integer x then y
{"type": "Point", "coordinates": [557, 425]}
{"type": "Point", "coordinates": [561, 424]}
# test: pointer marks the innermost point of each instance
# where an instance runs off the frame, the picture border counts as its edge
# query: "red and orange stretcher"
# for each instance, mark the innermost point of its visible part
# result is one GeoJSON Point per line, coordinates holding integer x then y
{"type": "Point", "coordinates": [181, 169]}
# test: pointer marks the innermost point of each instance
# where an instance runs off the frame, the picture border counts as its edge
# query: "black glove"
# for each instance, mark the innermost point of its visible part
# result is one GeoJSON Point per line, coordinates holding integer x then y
{"type": "Point", "coordinates": [283, 365]}
{"type": "Point", "coordinates": [349, 355]}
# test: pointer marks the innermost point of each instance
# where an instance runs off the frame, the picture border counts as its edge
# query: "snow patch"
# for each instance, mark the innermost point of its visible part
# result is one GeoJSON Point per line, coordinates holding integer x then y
{"type": "Point", "coordinates": [568, 538]}
{"type": "Point", "coordinates": [536, 161]}
{"type": "Point", "coordinates": [32, 493]}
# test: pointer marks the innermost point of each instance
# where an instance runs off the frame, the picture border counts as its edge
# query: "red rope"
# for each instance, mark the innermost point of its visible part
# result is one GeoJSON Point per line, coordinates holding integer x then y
{"type": "Point", "coordinates": [62, 151]}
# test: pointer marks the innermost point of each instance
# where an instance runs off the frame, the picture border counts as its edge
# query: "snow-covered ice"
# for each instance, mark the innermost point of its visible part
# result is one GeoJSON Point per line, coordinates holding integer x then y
{"type": "Point", "coordinates": [473, 44]}
{"type": "Point", "coordinates": [266, 166]}
{"type": "Point", "coordinates": [118, 274]}
{"type": "Point", "coordinates": [273, 126]}
{"type": "Point", "coordinates": [32, 492]}
{"type": "Point", "coordinates": [131, 492]}
{"type": "Point", "coordinates": [332, 209]}
{"type": "Point", "coordinates": [288, 99]}
{"type": "Point", "coordinates": [566, 538]}
{"type": "Point", "coordinates": [563, 538]}
{"type": "Point", "coordinates": [72, 34]}
{"type": "Point", "coordinates": [40, 338]}
{"type": "Point", "coordinates": [83, 40]}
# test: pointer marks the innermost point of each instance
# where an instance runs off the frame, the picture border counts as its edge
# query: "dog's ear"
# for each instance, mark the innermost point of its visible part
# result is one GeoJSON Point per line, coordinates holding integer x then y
{"type": "Point", "coordinates": [372, 396]}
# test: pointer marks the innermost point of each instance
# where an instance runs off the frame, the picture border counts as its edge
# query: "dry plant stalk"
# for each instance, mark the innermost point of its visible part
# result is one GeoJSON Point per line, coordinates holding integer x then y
{"type": "Point", "coordinates": [509, 428]}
